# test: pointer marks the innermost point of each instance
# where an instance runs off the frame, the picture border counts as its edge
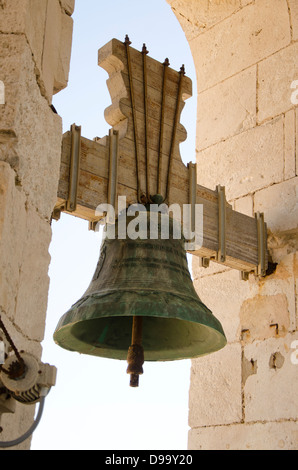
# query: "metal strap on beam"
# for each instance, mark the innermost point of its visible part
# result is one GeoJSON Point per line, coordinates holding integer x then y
{"type": "Point", "coordinates": [75, 157]}
{"type": "Point", "coordinates": [113, 176]}
{"type": "Point", "coordinates": [113, 168]}
{"type": "Point", "coordinates": [221, 254]}
{"type": "Point", "coordinates": [192, 167]}
{"type": "Point", "coordinates": [262, 244]}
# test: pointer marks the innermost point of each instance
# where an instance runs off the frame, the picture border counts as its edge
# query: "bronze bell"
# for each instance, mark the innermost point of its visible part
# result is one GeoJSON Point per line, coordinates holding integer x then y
{"type": "Point", "coordinates": [142, 300]}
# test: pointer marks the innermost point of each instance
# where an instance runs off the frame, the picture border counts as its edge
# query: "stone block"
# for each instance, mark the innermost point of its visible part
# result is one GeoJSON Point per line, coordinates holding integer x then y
{"type": "Point", "coordinates": [197, 17]}
{"type": "Point", "coordinates": [52, 39]}
{"type": "Point", "coordinates": [271, 393]}
{"type": "Point", "coordinates": [32, 295]}
{"type": "Point", "coordinates": [12, 226]}
{"type": "Point", "coordinates": [264, 316]}
{"type": "Point", "coordinates": [68, 6]}
{"type": "Point", "coordinates": [32, 132]}
{"type": "Point", "coordinates": [290, 138]}
{"type": "Point", "coordinates": [63, 64]}
{"type": "Point", "coordinates": [280, 205]}
{"type": "Point", "coordinates": [245, 205]}
{"type": "Point", "coordinates": [12, 49]}
{"type": "Point", "coordinates": [296, 113]}
{"type": "Point", "coordinates": [275, 76]}
{"type": "Point", "coordinates": [215, 391]}
{"type": "Point", "coordinates": [26, 17]}
{"type": "Point", "coordinates": [280, 314]}
{"type": "Point", "coordinates": [49, 35]}
{"type": "Point", "coordinates": [13, 15]}
{"type": "Point", "coordinates": [227, 109]}
{"type": "Point", "coordinates": [257, 436]}
{"type": "Point", "coordinates": [240, 41]}
{"type": "Point", "coordinates": [24, 259]}
{"type": "Point", "coordinates": [224, 294]}
{"type": "Point", "coordinates": [246, 162]}
{"type": "Point", "coordinates": [293, 5]}
{"type": "Point", "coordinates": [34, 23]}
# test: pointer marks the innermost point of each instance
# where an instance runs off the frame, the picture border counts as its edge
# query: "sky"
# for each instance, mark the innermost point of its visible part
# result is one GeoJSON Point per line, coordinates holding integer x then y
{"type": "Point", "coordinates": [92, 406]}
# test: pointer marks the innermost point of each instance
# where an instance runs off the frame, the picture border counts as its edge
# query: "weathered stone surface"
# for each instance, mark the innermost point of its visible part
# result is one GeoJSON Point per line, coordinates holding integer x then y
{"type": "Point", "coordinates": [257, 163]}
{"type": "Point", "coordinates": [280, 205]}
{"type": "Point", "coordinates": [256, 436]}
{"type": "Point", "coordinates": [218, 386]}
{"type": "Point", "coordinates": [197, 17]}
{"type": "Point", "coordinates": [224, 293]}
{"type": "Point", "coordinates": [227, 109]}
{"type": "Point", "coordinates": [241, 41]}
{"type": "Point", "coordinates": [294, 18]}
{"type": "Point", "coordinates": [63, 64]}
{"type": "Point", "coordinates": [12, 224]}
{"type": "Point", "coordinates": [274, 82]}
{"type": "Point", "coordinates": [264, 317]}
{"type": "Point", "coordinates": [30, 149]}
{"type": "Point", "coordinates": [246, 162]}
{"type": "Point", "coordinates": [68, 6]}
{"type": "Point", "coordinates": [32, 294]}
{"type": "Point", "coordinates": [24, 258]}
{"type": "Point", "coordinates": [13, 16]}
{"type": "Point", "coordinates": [48, 28]}
{"type": "Point", "coordinates": [31, 132]}
{"type": "Point", "coordinates": [271, 394]}
{"type": "Point", "coordinates": [245, 205]}
{"type": "Point", "coordinates": [296, 113]}
{"type": "Point", "coordinates": [280, 286]}
{"type": "Point", "coordinates": [52, 36]}
{"type": "Point", "coordinates": [290, 151]}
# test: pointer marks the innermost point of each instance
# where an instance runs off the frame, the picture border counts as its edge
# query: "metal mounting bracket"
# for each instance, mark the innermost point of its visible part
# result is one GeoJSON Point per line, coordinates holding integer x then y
{"type": "Point", "coordinates": [221, 254]}
{"type": "Point", "coordinates": [262, 237]}
{"type": "Point", "coordinates": [204, 262]}
{"type": "Point", "coordinates": [75, 157]}
{"type": "Point", "coordinates": [113, 170]}
{"type": "Point", "coordinates": [192, 169]}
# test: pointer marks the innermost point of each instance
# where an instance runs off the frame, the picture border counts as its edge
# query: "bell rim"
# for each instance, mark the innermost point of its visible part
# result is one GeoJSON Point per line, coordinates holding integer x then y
{"type": "Point", "coordinates": [79, 314]}
{"type": "Point", "coordinates": [190, 301]}
{"type": "Point", "coordinates": [59, 338]}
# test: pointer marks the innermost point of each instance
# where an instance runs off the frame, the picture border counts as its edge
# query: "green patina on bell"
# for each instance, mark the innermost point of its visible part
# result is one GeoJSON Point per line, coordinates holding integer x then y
{"type": "Point", "coordinates": [143, 278]}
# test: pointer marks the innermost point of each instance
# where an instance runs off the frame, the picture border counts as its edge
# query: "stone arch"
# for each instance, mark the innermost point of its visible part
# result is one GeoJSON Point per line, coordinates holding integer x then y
{"type": "Point", "coordinates": [245, 54]}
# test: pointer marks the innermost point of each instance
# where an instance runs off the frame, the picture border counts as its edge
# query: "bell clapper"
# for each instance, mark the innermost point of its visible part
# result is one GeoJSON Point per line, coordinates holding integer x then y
{"type": "Point", "coordinates": [135, 356]}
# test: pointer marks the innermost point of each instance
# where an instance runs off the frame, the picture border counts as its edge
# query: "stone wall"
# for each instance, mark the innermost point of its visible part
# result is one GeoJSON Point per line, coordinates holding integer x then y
{"type": "Point", "coordinates": [35, 47]}
{"type": "Point", "coordinates": [245, 53]}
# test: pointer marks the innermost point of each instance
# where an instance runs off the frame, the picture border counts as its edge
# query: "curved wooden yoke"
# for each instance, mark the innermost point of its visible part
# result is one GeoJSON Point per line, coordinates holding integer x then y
{"type": "Point", "coordinates": [141, 159]}
{"type": "Point", "coordinates": [147, 101]}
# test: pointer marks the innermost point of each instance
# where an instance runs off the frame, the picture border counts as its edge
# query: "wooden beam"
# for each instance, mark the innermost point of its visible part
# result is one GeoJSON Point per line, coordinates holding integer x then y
{"type": "Point", "coordinates": [128, 113]}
